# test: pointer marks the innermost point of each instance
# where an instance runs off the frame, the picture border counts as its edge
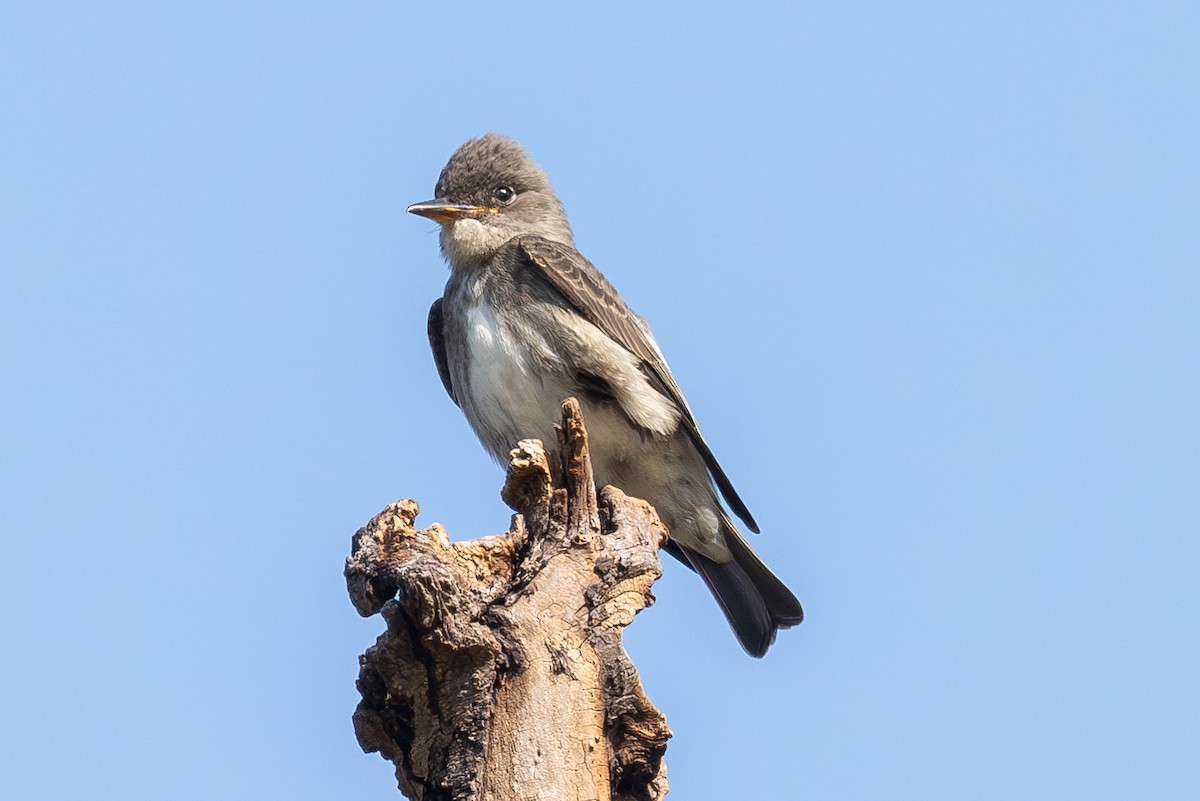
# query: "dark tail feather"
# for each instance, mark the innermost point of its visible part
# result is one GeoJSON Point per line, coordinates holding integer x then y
{"type": "Point", "coordinates": [754, 600]}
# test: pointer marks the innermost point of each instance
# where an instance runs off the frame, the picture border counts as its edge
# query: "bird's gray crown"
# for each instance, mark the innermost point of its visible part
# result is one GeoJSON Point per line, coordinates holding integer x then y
{"type": "Point", "coordinates": [483, 164]}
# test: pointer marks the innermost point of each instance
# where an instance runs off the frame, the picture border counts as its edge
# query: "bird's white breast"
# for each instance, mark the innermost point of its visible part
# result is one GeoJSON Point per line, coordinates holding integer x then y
{"type": "Point", "coordinates": [509, 400]}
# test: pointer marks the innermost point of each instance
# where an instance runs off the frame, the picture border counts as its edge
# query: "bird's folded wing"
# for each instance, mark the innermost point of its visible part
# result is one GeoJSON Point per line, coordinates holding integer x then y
{"type": "Point", "coordinates": [437, 343]}
{"type": "Point", "coordinates": [586, 289]}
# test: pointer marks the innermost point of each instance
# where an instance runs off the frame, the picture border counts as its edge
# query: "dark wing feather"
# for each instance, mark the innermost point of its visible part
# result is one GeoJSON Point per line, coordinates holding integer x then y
{"type": "Point", "coordinates": [586, 288]}
{"type": "Point", "coordinates": [437, 343]}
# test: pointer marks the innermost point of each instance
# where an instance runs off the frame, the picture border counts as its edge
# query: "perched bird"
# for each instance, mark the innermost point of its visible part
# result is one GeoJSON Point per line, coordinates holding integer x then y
{"type": "Point", "coordinates": [526, 322]}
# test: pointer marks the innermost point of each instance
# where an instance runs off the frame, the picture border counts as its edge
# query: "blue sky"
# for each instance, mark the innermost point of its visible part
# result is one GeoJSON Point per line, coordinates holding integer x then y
{"type": "Point", "coordinates": [928, 275]}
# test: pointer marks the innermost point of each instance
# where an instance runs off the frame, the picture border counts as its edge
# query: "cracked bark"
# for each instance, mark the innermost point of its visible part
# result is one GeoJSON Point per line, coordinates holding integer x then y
{"type": "Point", "coordinates": [501, 675]}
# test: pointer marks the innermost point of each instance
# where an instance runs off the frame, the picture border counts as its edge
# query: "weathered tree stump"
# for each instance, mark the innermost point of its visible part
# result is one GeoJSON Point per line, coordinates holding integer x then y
{"type": "Point", "coordinates": [501, 675]}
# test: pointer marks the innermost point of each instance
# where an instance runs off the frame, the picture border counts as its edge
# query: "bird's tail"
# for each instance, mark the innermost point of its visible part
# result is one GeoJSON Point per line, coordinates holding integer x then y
{"type": "Point", "coordinates": [754, 600]}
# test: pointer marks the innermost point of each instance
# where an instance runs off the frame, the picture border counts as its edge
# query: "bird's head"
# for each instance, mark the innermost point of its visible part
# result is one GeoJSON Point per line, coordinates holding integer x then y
{"type": "Point", "coordinates": [489, 192]}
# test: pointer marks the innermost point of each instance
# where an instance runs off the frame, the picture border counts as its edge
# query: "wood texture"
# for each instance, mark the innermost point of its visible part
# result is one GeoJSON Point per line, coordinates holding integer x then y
{"type": "Point", "coordinates": [501, 675]}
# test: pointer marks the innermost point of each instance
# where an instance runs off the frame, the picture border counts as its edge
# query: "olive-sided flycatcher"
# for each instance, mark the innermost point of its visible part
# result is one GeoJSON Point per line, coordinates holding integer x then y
{"type": "Point", "coordinates": [526, 322]}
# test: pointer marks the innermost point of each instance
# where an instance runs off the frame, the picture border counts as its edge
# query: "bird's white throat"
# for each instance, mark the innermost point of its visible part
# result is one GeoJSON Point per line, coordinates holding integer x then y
{"type": "Point", "coordinates": [468, 242]}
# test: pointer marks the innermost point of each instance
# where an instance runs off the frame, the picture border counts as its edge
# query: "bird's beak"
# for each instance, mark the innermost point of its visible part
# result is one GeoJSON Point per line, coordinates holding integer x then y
{"type": "Point", "coordinates": [443, 212]}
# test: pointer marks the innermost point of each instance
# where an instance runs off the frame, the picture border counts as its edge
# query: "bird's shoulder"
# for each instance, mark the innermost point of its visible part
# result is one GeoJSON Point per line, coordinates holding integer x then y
{"type": "Point", "coordinates": [587, 290]}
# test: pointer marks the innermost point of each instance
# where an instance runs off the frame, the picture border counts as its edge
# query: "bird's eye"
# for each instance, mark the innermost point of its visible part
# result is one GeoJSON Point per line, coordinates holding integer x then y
{"type": "Point", "coordinates": [504, 195]}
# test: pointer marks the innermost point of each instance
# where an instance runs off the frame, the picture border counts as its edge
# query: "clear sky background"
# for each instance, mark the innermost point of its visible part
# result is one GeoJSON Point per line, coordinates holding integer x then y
{"type": "Point", "coordinates": [929, 274]}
